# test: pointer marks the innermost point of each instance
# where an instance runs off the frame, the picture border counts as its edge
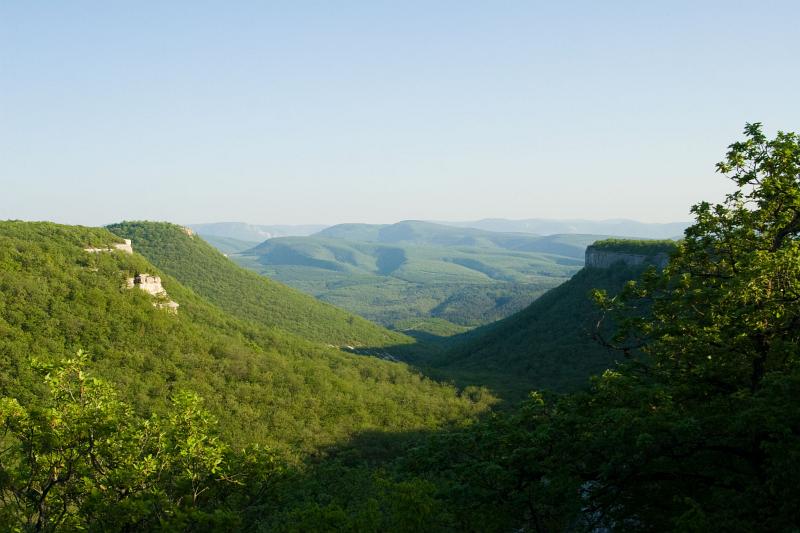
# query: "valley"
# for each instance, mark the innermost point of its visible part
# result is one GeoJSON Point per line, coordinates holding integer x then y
{"type": "Point", "coordinates": [418, 277]}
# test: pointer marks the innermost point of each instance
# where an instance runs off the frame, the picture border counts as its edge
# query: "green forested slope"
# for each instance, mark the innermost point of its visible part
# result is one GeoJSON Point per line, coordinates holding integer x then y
{"type": "Point", "coordinates": [548, 345]}
{"type": "Point", "coordinates": [245, 294]}
{"type": "Point", "coordinates": [264, 384]}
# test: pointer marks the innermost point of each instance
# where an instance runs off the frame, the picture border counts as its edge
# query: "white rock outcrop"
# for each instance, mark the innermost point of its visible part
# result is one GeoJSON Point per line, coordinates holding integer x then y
{"type": "Point", "coordinates": [169, 306]}
{"type": "Point", "coordinates": [122, 247]}
{"type": "Point", "coordinates": [152, 285]}
{"type": "Point", "coordinates": [148, 283]}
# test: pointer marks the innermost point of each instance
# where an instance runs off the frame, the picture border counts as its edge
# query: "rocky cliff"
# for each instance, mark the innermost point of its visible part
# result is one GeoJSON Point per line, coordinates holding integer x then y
{"type": "Point", "coordinates": [605, 258]}
{"type": "Point", "coordinates": [148, 283]}
{"type": "Point", "coordinates": [122, 247]}
{"type": "Point", "coordinates": [152, 285]}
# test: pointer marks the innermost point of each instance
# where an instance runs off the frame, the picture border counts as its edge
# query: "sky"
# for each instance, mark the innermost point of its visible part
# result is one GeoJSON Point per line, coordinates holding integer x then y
{"type": "Point", "coordinates": [292, 112]}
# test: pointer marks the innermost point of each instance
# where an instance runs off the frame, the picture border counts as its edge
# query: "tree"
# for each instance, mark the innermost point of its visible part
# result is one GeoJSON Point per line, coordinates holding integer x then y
{"type": "Point", "coordinates": [83, 459]}
{"type": "Point", "coordinates": [701, 429]}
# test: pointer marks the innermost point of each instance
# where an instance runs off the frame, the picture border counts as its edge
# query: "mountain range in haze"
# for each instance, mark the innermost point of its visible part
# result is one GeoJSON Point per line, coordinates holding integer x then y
{"type": "Point", "coordinates": [617, 227]}
{"type": "Point", "coordinates": [255, 233]}
{"type": "Point", "coordinates": [421, 275]}
{"type": "Point", "coordinates": [417, 271]}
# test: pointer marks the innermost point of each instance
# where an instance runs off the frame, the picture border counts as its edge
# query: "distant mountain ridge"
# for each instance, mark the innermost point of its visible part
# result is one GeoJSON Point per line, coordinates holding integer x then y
{"type": "Point", "coordinates": [228, 245]}
{"type": "Point", "coordinates": [372, 232]}
{"type": "Point", "coordinates": [428, 273]}
{"type": "Point", "coordinates": [254, 232]}
{"type": "Point", "coordinates": [612, 227]}
{"type": "Point", "coordinates": [417, 232]}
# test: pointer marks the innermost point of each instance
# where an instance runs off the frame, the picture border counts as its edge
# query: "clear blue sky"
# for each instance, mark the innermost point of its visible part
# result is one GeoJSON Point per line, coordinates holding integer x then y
{"type": "Point", "coordinates": [306, 112]}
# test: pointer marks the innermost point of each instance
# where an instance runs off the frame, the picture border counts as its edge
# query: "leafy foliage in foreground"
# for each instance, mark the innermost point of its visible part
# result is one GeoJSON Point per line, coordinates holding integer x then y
{"type": "Point", "coordinates": [81, 457]}
{"type": "Point", "coordinates": [718, 421]}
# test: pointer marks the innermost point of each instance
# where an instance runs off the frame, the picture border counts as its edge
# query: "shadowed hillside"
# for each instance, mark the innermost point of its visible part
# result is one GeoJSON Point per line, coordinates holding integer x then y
{"type": "Point", "coordinates": [550, 344]}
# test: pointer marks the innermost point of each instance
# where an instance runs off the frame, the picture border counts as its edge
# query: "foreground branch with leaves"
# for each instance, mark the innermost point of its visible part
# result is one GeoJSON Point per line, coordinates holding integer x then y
{"type": "Point", "coordinates": [82, 458]}
{"type": "Point", "coordinates": [701, 428]}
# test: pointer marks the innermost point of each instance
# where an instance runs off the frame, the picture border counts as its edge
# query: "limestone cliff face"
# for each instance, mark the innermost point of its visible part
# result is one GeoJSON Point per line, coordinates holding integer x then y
{"type": "Point", "coordinates": [152, 285]}
{"type": "Point", "coordinates": [602, 258]}
{"type": "Point", "coordinates": [122, 247]}
{"type": "Point", "coordinates": [148, 283]}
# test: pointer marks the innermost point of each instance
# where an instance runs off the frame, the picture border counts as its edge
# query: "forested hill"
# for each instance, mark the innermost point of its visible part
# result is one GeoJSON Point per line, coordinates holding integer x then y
{"type": "Point", "coordinates": [265, 385]}
{"type": "Point", "coordinates": [550, 344]}
{"type": "Point", "coordinates": [421, 233]}
{"type": "Point", "coordinates": [246, 295]}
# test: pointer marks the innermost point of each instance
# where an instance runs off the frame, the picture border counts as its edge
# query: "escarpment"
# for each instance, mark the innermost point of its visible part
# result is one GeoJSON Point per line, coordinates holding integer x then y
{"type": "Point", "coordinates": [605, 254]}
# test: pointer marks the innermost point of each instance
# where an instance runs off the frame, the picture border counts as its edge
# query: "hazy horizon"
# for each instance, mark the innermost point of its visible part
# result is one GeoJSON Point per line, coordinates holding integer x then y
{"type": "Point", "coordinates": [435, 221]}
{"type": "Point", "coordinates": [320, 114]}
{"type": "Point", "coordinates": [335, 223]}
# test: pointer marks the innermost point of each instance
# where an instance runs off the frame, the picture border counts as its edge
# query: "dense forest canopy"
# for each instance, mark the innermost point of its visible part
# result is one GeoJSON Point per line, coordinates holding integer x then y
{"type": "Point", "coordinates": [696, 429]}
{"type": "Point", "coordinates": [631, 246]}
